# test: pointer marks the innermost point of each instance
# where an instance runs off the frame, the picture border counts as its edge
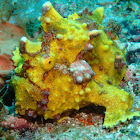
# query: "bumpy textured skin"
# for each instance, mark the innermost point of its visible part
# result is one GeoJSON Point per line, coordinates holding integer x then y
{"type": "Point", "coordinates": [44, 82]}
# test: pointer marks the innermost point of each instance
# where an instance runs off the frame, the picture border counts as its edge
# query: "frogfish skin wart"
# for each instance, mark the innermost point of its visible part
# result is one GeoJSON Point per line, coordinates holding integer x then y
{"type": "Point", "coordinates": [70, 66]}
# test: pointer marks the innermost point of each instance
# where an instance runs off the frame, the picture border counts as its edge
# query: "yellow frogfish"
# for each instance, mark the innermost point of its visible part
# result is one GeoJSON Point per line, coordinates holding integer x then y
{"type": "Point", "coordinates": [72, 65]}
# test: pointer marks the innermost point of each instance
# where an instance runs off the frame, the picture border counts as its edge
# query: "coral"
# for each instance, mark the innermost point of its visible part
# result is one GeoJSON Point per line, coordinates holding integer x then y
{"type": "Point", "coordinates": [113, 28]}
{"type": "Point", "coordinates": [15, 123]}
{"type": "Point", "coordinates": [137, 39]}
{"type": "Point", "coordinates": [6, 9]}
{"type": "Point", "coordinates": [133, 53]}
{"type": "Point", "coordinates": [23, 11]}
{"type": "Point", "coordinates": [9, 38]}
{"type": "Point", "coordinates": [132, 79]}
{"type": "Point", "coordinates": [119, 63]}
{"type": "Point", "coordinates": [45, 81]}
{"type": "Point", "coordinates": [5, 64]}
{"type": "Point", "coordinates": [81, 71]}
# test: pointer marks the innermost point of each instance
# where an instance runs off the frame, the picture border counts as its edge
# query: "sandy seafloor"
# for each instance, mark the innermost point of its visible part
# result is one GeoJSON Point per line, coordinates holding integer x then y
{"type": "Point", "coordinates": [126, 14]}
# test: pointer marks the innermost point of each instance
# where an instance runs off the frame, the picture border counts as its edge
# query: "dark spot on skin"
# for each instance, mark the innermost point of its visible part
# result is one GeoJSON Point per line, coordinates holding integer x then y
{"type": "Point", "coordinates": [22, 47]}
{"type": "Point", "coordinates": [60, 49]}
{"type": "Point", "coordinates": [101, 68]}
{"type": "Point", "coordinates": [101, 85]}
{"type": "Point", "coordinates": [66, 62]}
{"type": "Point", "coordinates": [26, 65]}
{"type": "Point", "coordinates": [45, 92]}
{"type": "Point", "coordinates": [109, 82]}
{"type": "Point", "coordinates": [45, 76]}
{"type": "Point", "coordinates": [49, 62]}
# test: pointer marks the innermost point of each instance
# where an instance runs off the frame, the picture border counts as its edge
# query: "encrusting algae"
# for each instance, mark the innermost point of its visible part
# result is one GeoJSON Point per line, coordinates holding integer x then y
{"type": "Point", "coordinates": [69, 68]}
